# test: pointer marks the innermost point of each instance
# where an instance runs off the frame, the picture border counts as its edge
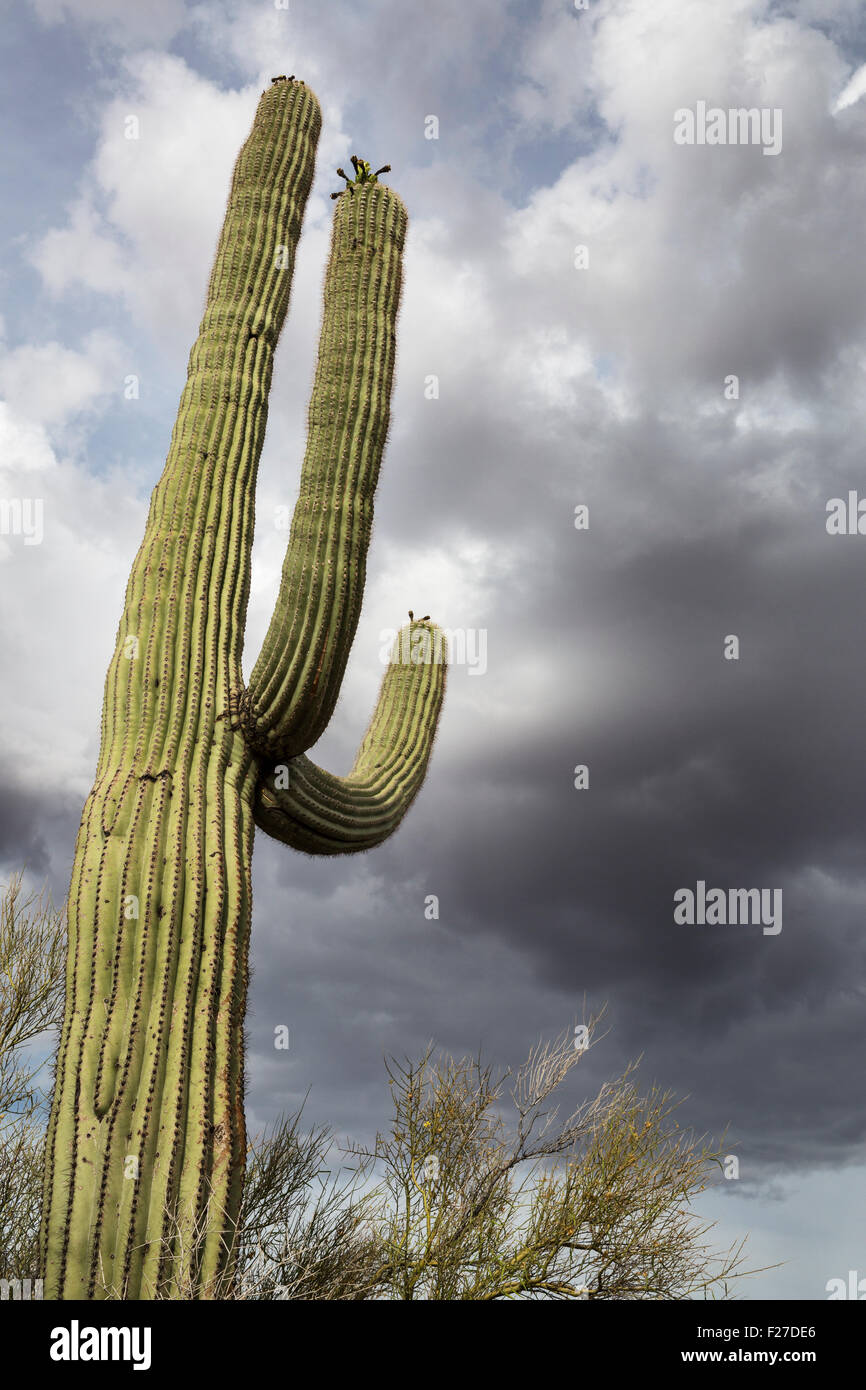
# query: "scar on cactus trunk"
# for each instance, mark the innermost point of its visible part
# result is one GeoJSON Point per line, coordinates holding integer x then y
{"type": "Point", "coordinates": [146, 1142]}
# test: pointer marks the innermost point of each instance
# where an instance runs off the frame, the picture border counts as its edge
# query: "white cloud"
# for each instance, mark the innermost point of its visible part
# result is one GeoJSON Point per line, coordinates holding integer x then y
{"type": "Point", "coordinates": [25, 445]}
{"type": "Point", "coordinates": [50, 383]}
{"type": "Point", "coordinates": [146, 224]}
{"type": "Point", "coordinates": [555, 58]}
{"type": "Point", "coordinates": [852, 92]}
{"type": "Point", "coordinates": [117, 20]}
{"type": "Point", "coordinates": [670, 228]}
{"type": "Point", "coordinates": [81, 253]}
{"type": "Point", "coordinates": [60, 603]}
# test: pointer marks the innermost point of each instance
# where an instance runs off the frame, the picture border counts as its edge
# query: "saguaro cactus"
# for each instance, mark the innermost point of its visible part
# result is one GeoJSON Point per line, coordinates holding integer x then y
{"type": "Point", "coordinates": [146, 1143]}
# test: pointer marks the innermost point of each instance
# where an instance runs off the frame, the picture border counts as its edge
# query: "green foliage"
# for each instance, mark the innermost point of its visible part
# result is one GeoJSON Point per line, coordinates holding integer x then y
{"type": "Point", "coordinates": [456, 1202]}
{"type": "Point", "coordinates": [32, 954]}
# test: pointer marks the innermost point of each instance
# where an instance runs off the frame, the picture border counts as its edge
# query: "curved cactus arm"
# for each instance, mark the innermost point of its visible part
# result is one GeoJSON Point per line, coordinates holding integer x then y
{"type": "Point", "coordinates": [296, 680]}
{"type": "Point", "coordinates": [322, 814]}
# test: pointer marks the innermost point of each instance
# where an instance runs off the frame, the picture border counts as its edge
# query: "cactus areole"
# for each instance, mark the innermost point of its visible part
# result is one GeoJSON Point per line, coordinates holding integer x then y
{"type": "Point", "coordinates": [146, 1143]}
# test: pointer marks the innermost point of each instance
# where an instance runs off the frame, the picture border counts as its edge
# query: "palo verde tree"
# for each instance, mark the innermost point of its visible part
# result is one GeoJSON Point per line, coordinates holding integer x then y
{"type": "Point", "coordinates": [471, 1204]}
{"type": "Point", "coordinates": [146, 1142]}
{"type": "Point", "coordinates": [32, 956]}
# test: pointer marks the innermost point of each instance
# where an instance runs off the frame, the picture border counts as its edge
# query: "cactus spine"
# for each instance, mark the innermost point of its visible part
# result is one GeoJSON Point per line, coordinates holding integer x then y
{"type": "Point", "coordinates": [146, 1141]}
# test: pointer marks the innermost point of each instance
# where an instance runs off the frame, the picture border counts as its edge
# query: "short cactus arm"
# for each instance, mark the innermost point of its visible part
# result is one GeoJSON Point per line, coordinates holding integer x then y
{"type": "Point", "coordinates": [296, 680]}
{"type": "Point", "coordinates": [322, 814]}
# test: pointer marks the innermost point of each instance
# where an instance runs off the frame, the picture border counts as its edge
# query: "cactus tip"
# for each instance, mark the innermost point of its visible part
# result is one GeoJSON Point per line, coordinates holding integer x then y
{"type": "Point", "coordinates": [363, 174]}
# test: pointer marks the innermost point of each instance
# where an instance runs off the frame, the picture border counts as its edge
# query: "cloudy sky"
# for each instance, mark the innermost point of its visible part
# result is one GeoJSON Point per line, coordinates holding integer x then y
{"type": "Point", "coordinates": [694, 377]}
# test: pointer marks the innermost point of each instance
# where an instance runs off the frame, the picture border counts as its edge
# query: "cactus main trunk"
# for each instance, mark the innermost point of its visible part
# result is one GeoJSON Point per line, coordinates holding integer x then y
{"type": "Point", "coordinates": [146, 1144]}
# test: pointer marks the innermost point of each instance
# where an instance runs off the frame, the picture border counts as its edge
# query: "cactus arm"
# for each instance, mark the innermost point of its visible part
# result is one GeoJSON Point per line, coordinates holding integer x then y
{"type": "Point", "coordinates": [322, 814]}
{"type": "Point", "coordinates": [296, 680]}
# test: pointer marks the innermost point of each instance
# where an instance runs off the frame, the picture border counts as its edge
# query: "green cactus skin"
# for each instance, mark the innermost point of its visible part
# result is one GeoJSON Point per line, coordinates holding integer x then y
{"type": "Point", "coordinates": [323, 814]}
{"type": "Point", "coordinates": [146, 1141]}
{"type": "Point", "coordinates": [296, 681]}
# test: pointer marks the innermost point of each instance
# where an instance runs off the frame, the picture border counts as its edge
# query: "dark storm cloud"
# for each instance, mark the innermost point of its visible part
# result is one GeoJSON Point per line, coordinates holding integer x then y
{"type": "Point", "coordinates": [37, 833]}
